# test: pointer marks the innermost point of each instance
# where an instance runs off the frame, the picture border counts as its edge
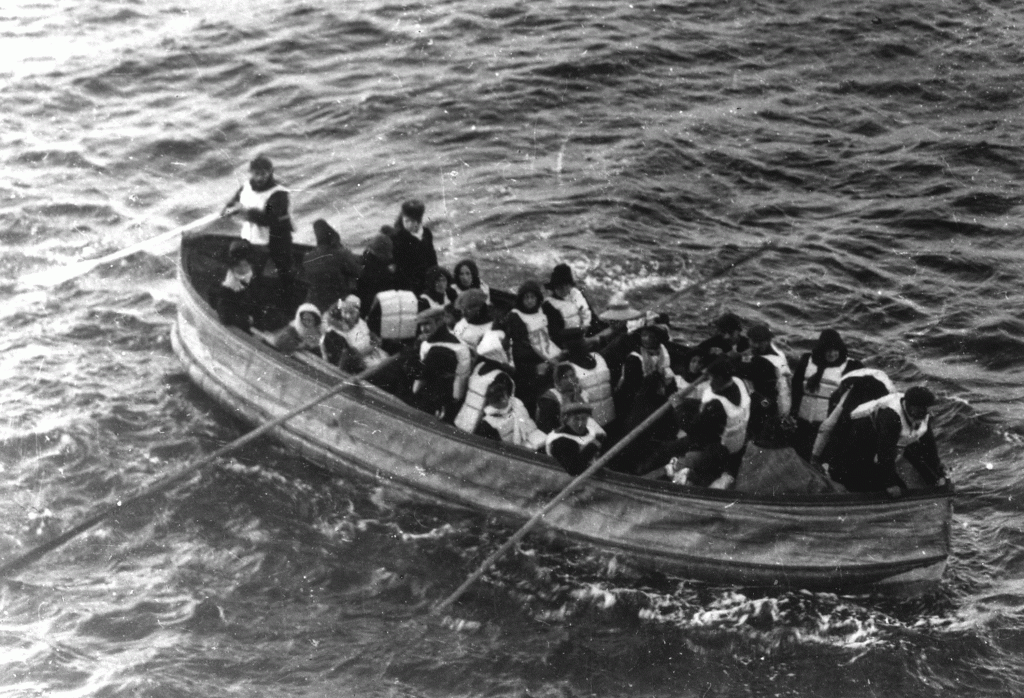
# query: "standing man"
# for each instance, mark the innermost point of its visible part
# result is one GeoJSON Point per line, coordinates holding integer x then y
{"type": "Point", "coordinates": [264, 207]}
{"type": "Point", "coordinates": [414, 247]}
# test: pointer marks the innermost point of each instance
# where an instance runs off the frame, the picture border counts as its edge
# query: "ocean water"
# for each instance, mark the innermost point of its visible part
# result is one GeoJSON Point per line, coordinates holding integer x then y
{"type": "Point", "coordinates": [878, 143]}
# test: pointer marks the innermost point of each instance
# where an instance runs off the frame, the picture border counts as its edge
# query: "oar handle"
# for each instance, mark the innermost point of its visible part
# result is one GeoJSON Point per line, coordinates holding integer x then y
{"type": "Point", "coordinates": [569, 489]}
{"type": "Point", "coordinates": [169, 481]}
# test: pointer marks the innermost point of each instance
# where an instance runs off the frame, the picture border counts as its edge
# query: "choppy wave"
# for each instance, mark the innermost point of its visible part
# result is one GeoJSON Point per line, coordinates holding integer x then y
{"type": "Point", "coordinates": [644, 144]}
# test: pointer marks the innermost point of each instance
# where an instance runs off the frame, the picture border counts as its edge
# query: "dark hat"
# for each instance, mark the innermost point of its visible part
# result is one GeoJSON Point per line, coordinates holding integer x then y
{"type": "Point", "coordinates": [830, 339]}
{"type": "Point", "coordinates": [414, 209]}
{"type": "Point", "coordinates": [261, 162]}
{"type": "Point", "coordinates": [382, 248]}
{"type": "Point", "coordinates": [560, 276]}
{"type": "Point", "coordinates": [324, 233]}
{"type": "Point", "coordinates": [576, 408]}
{"type": "Point", "coordinates": [729, 322]}
{"type": "Point", "coordinates": [721, 367]}
{"type": "Point", "coordinates": [919, 396]}
{"type": "Point", "coordinates": [239, 250]}
{"type": "Point", "coordinates": [759, 333]}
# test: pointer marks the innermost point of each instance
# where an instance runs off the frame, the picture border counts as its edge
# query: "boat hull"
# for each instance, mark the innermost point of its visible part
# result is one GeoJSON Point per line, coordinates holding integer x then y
{"type": "Point", "coordinates": [825, 542]}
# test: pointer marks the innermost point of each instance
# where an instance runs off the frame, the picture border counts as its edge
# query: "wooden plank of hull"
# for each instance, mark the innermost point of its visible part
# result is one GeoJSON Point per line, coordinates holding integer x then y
{"type": "Point", "coordinates": [832, 542]}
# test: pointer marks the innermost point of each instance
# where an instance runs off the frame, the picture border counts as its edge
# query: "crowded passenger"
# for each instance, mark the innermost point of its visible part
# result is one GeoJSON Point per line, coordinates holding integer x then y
{"type": "Point", "coordinates": [466, 275]}
{"type": "Point", "coordinates": [493, 359]}
{"type": "Point", "coordinates": [592, 376]}
{"type": "Point", "coordinates": [566, 308]}
{"type": "Point", "coordinates": [855, 389]}
{"type": "Point", "coordinates": [330, 270]}
{"type": "Point", "coordinates": [347, 341]}
{"type": "Point", "coordinates": [303, 333]}
{"type": "Point", "coordinates": [577, 443]}
{"type": "Point", "coordinates": [566, 390]}
{"type": "Point", "coordinates": [729, 391]}
{"type": "Point", "coordinates": [236, 299]}
{"type": "Point", "coordinates": [476, 317]}
{"type": "Point", "coordinates": [413, 247]}
{"type": "Point", "coordinates": [532, 348]}
{"type": "Point", "coordinates": [378, 271]}
{"type": "Point", "coordinates": [505, 418]}
{"type": "Point", "coordinates": [437, 292]}
{"type": "Point", "coordinates": [267, 224]}
{"type": "Point", "coordinates": [647, 381]}
{"type": "Point", "coordinates": [616, 340]}
{"type": "Point", "coordinates": [699, 458]}
{"type": "Point", "coordinates": [878, 431]}
{"type": "Point", "coordinates": [728, 339]}
{"type": "Point", "coordinates": [767, 369]}
{"type": "Point", "coordinates": [445, 367]}
{"type": "Point", "coordinates": [815, 378]}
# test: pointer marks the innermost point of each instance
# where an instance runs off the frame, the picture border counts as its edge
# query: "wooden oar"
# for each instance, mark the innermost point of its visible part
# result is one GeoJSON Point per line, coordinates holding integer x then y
{"type": "Point", "coordinates": [167, 482]}
{"type": "Point", "coordinates": [55, 277]}
{"type": "Point", "coordinates": [569, 489]}
{"type": "Point", "coordinates": [718, 273]}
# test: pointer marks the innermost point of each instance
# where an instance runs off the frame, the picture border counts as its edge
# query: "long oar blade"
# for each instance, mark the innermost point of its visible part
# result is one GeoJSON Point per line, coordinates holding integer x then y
{"type": "Point", "coordinates": [171, 480]}
{"type": "Point", "coordinates": [55, 277]}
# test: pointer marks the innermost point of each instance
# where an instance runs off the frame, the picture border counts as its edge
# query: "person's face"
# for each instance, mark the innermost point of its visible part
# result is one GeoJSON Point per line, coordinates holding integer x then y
{"type": "Point", "coordinates": [410, 224]}
{"type": "Point", "coordinates": [499, 398]}
{"type": "Point", "coordinates": [260, 175]}
{"type": "Point", "coordinates": [577, 422]}
{"type": "Point", "coordinates": [350, 313]}
{"type": "Point", "coordinates": [761, 346]}
{"type": "Point", "coordinates": [440, 284]}
{"type": "Point", "coordinates": [465, 277]}
{"type": "Point", "coordinates": [695, 365]}
{"type": "Point", "coordinates": [567, 382]}
{"type": "Point", "coordinates": [561, 291]}
{"type": "Point", "coordinates": [242, 269]}
{"type": "Point", "coordinates": [648, 341]}
{"type": "Point", "coordinates": [832, 355]}
{"type": "Point", "coordinates": [719, 382]}
{"type": "Point", "coordinates": [530, 301]}
{"type": "Point", "coordinates": [309, 320]}
{"type": "Point", "coordinates": [916, 412]}
{"type": "Point", "coordinates": [426, 328]}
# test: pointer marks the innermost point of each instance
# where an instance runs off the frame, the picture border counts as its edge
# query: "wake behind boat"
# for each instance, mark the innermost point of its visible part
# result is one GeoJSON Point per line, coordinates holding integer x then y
{"type": "Point", "coordinates": [827, 541]}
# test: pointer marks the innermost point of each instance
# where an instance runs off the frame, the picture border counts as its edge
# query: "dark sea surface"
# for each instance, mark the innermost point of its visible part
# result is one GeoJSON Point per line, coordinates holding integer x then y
{"type": "Point", "coordinates": [879, 143]}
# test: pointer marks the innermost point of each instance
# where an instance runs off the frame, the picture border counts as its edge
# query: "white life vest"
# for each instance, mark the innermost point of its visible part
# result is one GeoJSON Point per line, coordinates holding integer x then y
{"type": "Point", "coordinates": [662, 364]}
{"type": "Point", "coordinates": [256, 234]}
{"type": "Point", "coordinates": [908, 432]}
{"type": "Point", "coordinates": [470, 334]}
{"type": "Point", "coordinates": [465, 363]}
{"type": "Point", "coordinates": [537, 329]}
{"type": "Point", "coordinates": [398, 310]}
{"type": "Point", "coordinates": [736, 416]}
{"type": "Point", "coordinates": [515, 426]}
{"type": "Point", "coordinates": [594, 431]}
{"type": "Point", "coordinates": [596, 389]}
{"type": "Point", "coordinates": [476, 391]}
{"type": "Point", "coordinates": [814, 405]}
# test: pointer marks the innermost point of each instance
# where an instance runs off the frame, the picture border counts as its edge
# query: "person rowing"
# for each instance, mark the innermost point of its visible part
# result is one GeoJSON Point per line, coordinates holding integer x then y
{"type": "Point", "coordinates": [263, 205]}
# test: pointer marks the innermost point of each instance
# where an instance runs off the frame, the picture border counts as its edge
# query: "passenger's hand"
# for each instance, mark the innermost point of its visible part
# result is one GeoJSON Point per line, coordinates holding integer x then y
{"type": "Point", "coordinates": [941, 482]}
{"type": "Point", "coordinates": [230, 209]}
{"type": "Point", "coordinates": [723, 482]}
{"type": "Point", "coordinates": [894, 491]}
